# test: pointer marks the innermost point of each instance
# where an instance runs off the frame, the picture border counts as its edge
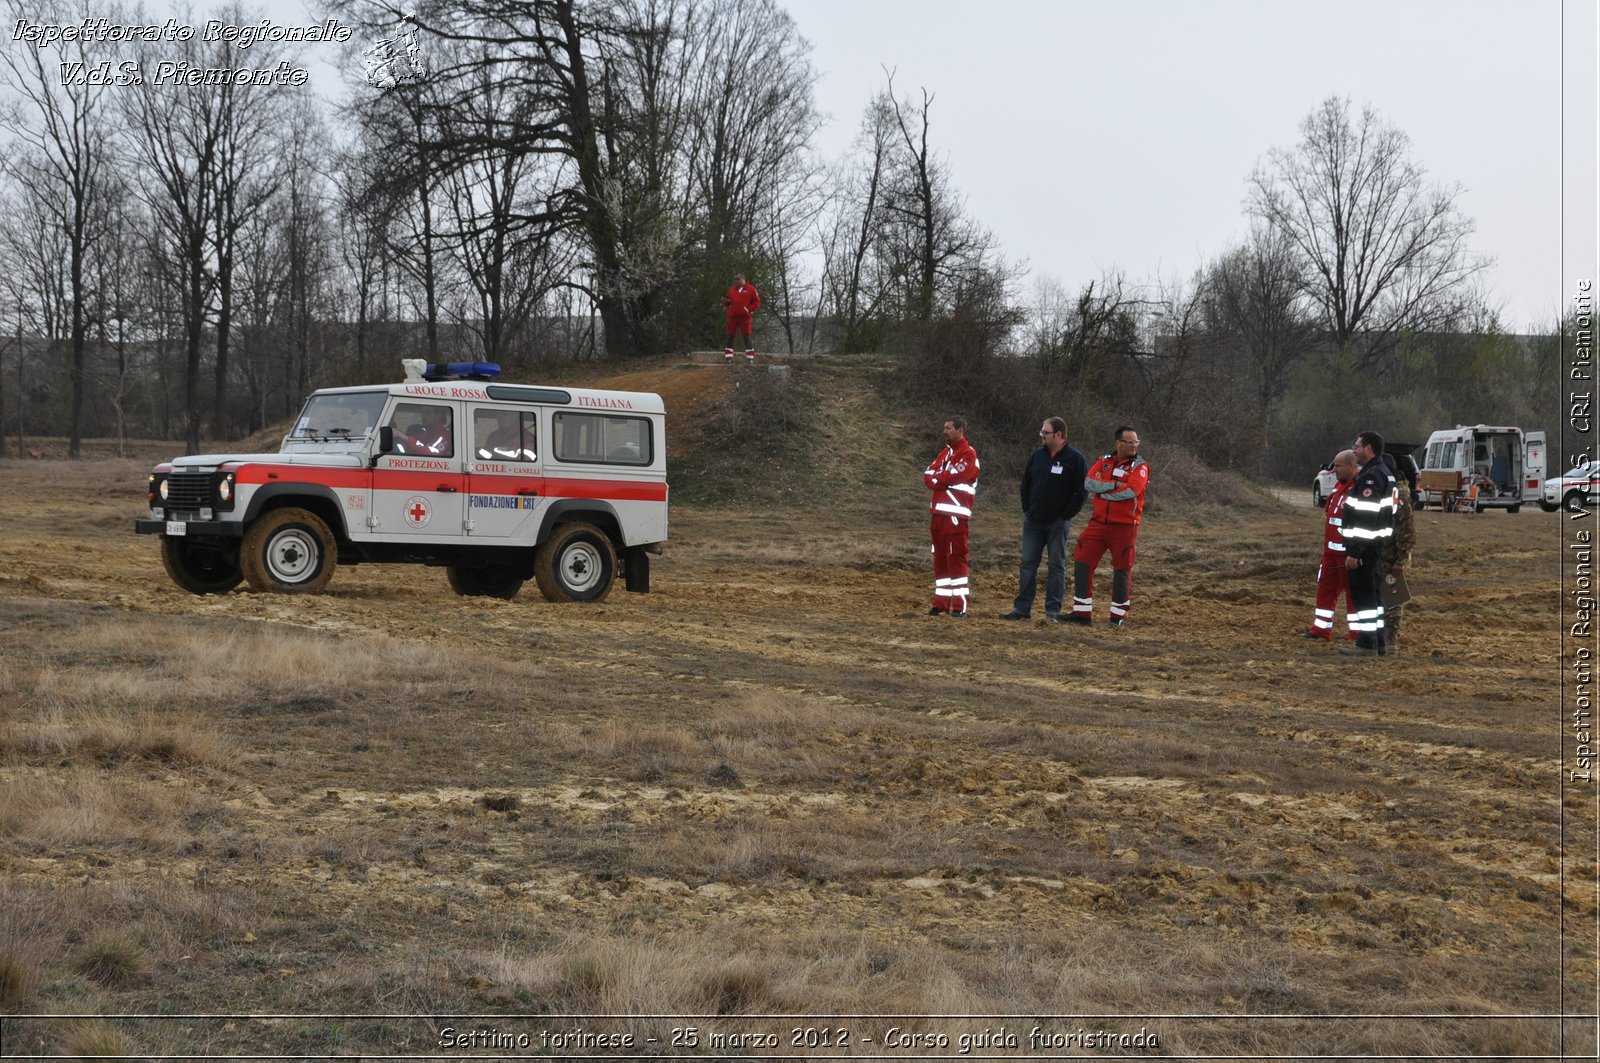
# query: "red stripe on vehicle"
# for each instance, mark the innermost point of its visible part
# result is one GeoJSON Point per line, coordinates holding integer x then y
{"type": "Point", "coordinates": [382, 479]}
{"type": "Point", "coordinates": [619, 490]}
{"type": "Point", "coordinates": [558, 487]}
{"type": "Point", "coordinates": [302, 474]}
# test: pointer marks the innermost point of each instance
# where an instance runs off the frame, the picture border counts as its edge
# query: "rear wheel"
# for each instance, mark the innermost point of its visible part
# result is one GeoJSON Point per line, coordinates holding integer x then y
{"type": "Point", "coordinates": [1515, 508]}
{"type": "Point", "coordinates": [576, 564]}
{"type": "Point", "coordinates": [483, 581]}
{"type": "Point", "coordinates": [1573, 502]}
{"type": "Point", "coordinates": [288, 551]}
{"type": "Point", "coordinates": [201, 569]}
{"type": "Point", "coordinates": [1316, 495]}
{"type": "Point", "coordinates": [1548, 507]}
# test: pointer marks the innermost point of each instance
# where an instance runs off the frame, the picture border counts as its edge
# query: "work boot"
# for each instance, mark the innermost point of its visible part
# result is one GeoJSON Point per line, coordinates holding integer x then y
{"type": "Point", "coordinates": [1075, 618]}
{"type": "Point", "coordinates": [1014, 615]}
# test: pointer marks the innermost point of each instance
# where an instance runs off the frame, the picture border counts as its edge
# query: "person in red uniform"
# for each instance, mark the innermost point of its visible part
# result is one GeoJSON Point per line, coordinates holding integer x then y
{"type": "Point", "coordinates": [953, 478]}
{"type": "Point", "coordinates": [433, 436]}
{"type": "Point", "coordinates": [1116, 482]}
{"type": "Point", "coordinates": [742, 301]}
{"type": "Point", "coordinates": [1333, 578]}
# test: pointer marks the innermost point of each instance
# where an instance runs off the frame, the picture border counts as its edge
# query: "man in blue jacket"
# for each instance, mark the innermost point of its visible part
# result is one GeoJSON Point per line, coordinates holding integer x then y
{"type": "Point", "coordinates": [1052, 493]}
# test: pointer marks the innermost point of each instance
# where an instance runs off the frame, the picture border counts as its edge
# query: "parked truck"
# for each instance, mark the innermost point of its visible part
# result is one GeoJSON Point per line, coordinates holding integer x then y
{"type": "Point", "coordinates": [1482, 466]}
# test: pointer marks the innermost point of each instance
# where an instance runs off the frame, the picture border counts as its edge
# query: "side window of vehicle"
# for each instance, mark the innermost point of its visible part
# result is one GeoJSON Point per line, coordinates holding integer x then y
{"type": "Point", "coordinates": [505, 435]}
{"type": "Point", "coordinates": [603, 439]}
{"type": "Point", "coordinates": [423, 428]}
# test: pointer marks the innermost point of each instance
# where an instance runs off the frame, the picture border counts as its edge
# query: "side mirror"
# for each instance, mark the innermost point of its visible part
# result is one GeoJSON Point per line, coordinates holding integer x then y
{"type": "Point", "coordinates": [385, 442]}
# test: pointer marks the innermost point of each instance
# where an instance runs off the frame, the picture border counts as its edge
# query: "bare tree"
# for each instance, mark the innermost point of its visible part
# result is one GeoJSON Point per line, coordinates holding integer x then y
{"type": "Point", "coordinates": [176, 139]}
{"type": "Point", "coordinates": [752, 117]}
{"type": "Point", "coordinates": [851, 242]}
{"type": "Point", "coordinates": [646, 126]}
{"type": "Point", "coordinates": [247, 173]}
{"type": "Point", "coordinates": [1254, 304]}
{"type": "Point", "coordinates": [58, 156]}
{"type": "Point", "coordinates": [932, 238]}
{"type": "Point", "coordinates": [1383, 253]}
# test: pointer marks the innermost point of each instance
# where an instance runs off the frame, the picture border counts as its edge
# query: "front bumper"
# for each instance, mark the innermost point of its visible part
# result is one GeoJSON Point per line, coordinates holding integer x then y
{"type": "Point", "coordinates": [219, 529]}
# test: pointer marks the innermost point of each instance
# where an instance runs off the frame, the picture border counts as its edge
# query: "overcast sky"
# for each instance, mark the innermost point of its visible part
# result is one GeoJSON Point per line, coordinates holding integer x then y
{"type": "Point", "coordinates": [1091, 136]}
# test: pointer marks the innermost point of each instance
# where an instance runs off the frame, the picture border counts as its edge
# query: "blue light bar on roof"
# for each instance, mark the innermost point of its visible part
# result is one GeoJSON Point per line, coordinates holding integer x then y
{"type": "Point", "coordinates": [461, 371]}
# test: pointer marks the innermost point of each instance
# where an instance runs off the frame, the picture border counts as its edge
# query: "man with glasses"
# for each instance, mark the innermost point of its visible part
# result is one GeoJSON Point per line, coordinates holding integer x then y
{"type": "Point", "coordinates": [1052, 494]}
{"type": "Point", "coordinates": [1367, 524]}
{"type": "Point", "coordinates": [1117, 483]}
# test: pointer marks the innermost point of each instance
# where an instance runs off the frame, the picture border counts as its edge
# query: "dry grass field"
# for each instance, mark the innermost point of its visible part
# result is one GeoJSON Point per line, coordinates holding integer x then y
{"type": "Point", "coordinates": [772, 796]}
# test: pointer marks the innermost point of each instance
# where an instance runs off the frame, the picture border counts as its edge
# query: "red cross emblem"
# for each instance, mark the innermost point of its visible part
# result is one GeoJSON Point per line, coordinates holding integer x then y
{"type": "Point", "coordinates": [417, 511]}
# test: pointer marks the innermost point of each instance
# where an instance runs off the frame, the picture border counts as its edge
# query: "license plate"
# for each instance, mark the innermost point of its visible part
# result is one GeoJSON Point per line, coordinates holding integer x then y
{"type": "Point", "coordinates": [177, 527]}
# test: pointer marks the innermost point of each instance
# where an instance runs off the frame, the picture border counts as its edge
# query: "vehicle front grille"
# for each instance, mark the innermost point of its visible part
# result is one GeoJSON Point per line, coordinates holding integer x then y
{"type": "Point", "coordinates": [188, 490]}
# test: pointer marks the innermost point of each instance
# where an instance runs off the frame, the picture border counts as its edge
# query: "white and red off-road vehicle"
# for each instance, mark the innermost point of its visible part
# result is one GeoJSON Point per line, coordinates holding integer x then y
{"type": "Point", "coordinates": [495, 482]}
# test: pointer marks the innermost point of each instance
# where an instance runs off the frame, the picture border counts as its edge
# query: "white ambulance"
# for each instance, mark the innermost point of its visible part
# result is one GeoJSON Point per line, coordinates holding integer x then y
{"type": "Point", "coordinates": [496, 483]}
{"type": "Point", "coordinates": [1484, 466]}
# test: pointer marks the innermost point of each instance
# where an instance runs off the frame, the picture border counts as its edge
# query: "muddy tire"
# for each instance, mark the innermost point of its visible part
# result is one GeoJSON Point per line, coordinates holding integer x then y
{"type": "Point", "coordinates": [288, 551]}
{"type": "Point", "coordinates": [576, 564]}
{"type": "Point", "coordinates": [483, 581]}
{"type": "Point", "coordinates": [200, 569]}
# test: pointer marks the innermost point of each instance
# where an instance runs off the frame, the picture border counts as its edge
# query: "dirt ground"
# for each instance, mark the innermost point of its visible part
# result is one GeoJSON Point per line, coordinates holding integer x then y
{"type": "Point", "coordinates": [1199, 815]}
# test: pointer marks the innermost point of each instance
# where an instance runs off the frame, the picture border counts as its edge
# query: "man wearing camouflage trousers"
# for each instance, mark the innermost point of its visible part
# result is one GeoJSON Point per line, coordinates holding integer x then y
{"type": "Point", "coordinates": [1396, 559]}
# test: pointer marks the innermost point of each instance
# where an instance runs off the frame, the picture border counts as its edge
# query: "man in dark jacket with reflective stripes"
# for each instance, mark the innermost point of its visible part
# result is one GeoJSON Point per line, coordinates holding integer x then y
{"type": "Point", "coordinates": [1367, 525]}
{"type": "Point", "coordinates": [1052, 494]}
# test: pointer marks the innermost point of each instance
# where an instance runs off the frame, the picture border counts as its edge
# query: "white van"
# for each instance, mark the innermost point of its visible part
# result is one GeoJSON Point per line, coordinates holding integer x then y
{"type": "Point", "coordinates": [1496, 466]}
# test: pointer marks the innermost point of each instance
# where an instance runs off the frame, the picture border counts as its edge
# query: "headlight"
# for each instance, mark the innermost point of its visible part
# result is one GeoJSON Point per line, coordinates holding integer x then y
{"type": "Point", "coordinates": [163, 490]}
{"type": "Point", "coordinates": [225, 488]}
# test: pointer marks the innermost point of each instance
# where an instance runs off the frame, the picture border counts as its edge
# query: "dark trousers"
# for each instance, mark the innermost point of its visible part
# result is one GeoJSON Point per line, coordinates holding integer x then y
{"type": "Point", "coordinates": [1367, 597]}
{"type": "Point", "coordinates": [1049, 539]}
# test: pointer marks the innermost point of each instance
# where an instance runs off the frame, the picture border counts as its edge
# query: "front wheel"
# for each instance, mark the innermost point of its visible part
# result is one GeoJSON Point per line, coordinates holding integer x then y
{"type": "Point", "coordinates": [201, 569]}
{"type": "Point", "coordinates": [1548, 507]}
{"type": "Point", "coordinates": [1316, 496]}
{"type": "Point", "coordinates": [1573, 502]}
{"type": "Point", "coordinates": [483, 581]}
{"type": "Point", "coordinates": [576, 564]}
{"type": "Point", "coordinates": [288, 551]}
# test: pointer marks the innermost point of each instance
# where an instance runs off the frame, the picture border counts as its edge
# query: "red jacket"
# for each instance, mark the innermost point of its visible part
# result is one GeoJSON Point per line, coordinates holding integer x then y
{"type": "Point", "coordinates": [741, 303]}
{"type": "Point", "coordinates": [953, 479]}
{"type": "Point", "coordinates": [1332, 528]}
{"type": "Point", "coordinates": [1117, 488]}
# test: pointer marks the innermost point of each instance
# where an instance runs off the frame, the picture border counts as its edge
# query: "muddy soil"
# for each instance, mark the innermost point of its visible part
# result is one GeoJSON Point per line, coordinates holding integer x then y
{"type": "Point", "coordinates": [1202, 771]}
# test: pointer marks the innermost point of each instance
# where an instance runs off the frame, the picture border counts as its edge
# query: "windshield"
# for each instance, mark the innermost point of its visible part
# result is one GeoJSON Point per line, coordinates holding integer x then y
{"type": "Point", "coordinates": [350, 415]}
